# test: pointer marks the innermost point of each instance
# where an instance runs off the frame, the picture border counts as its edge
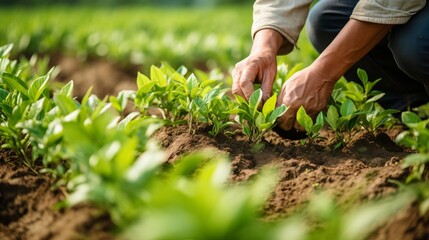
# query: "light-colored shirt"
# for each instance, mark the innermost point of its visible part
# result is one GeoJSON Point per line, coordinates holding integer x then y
{"type": "Point", "coordinates": [288, 16]}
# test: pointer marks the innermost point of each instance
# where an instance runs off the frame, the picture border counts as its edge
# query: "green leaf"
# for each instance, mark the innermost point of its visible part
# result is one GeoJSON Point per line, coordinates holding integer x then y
{"type": "Point", "coordinates": [415, 159]}
{"type": "Point", "coordinates": [5, 50]}
{"type": "Point", "coordinates": [277, 113]}
{"type": "Point", "coordinates": [37, 87]}
{"type": "Point", "coordinates": [142, 80]}
{"type": "Point", "coordinates": [191, 83]}
{"type": "Point", "coordinates": [362, 76]}
{"type": "Point", "coordinates": [376, 97]}
{"type": "Point", "coordinates": [255, 100]}
{"type": "Point", "coordinates": [67, 89]}
{"type": "Point", "coordinates": [304, 120]}
{"type": "Point", "coordinates": [332, 117]}
{"type": "Point", "coordinates": [410, 118]}
{"type": "Point", "coordinates": [14, 83]}
{"type": "Point", "coordinates": [259, 120]}
{"type": "Point", "coordinates": [3, 94]}
{"type": "Point", "coordinates": [65, 104]}
{"type": "Point", "coordinates": [320, 121]}
{"type": "Point", "coordinates": [158, 76]}
{"type": "Point", "coordinates": [347, 108]}
{"type": "Point", "coordinates": [269, 105]}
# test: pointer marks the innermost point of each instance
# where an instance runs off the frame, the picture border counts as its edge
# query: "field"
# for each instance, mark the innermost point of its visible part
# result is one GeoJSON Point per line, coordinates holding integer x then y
{"type": "Point", "coordinates": [146, 141]}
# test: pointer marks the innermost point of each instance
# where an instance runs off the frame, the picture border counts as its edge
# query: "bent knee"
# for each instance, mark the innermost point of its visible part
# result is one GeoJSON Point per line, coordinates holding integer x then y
{"type": "Point", "coordinates": [325, 21]}
{"type": "Point", "coordinates": [411, 53]}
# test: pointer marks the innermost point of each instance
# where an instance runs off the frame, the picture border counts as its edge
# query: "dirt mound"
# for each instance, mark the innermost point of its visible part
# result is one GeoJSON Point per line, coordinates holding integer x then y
{"type": "Point", "coordinates": [28, 208]}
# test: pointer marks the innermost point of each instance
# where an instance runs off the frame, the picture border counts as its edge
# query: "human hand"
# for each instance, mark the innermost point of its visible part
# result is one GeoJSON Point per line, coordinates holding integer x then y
{"type": "Point", "coordinates": [260, 66]}
{"type": "Point", "coordinates": [310, 88]}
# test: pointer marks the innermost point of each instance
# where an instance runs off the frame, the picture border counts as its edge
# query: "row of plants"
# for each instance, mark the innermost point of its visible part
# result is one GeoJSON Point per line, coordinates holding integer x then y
{"type": "Point", "coordinates": [203, 38]}
{"type": "Point", "coordinates": [107, 157]}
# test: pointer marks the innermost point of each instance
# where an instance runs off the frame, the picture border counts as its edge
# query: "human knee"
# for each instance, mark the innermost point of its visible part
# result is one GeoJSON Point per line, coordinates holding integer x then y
{"type": "Point", "coordinates": [411, 53]}
{"type": "Point", "coordinates": [325, 21]}
{"type": "Point", "coordinates": [318, 29]}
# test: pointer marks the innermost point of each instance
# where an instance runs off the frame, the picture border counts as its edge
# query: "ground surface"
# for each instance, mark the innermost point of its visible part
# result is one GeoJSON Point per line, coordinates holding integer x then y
{"type": "Point", "coordinates": [354, 174]}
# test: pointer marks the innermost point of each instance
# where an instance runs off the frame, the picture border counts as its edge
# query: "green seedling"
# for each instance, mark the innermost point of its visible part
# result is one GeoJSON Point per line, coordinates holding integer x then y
{"type": "Point", "coordinates": [374, 117]}
{"type": "Point", "coordinates": [159, 93]}
{"type": "Point", "coordinates": [311, 128]}
{"type": "Point", "coordinates": [417, 138]}
{"type": "Point", "coordinates": [363, 93]}
{"type": "Point", "coordinates": [214, 109]}
{"type": "Point", "coordinates": [342, 122]}
{"type": "Point", "coordinates": [256, 123]}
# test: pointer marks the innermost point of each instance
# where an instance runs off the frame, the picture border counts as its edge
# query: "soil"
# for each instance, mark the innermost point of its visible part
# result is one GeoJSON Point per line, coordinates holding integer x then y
{"type": "Point", "coordinates": [359, 172]}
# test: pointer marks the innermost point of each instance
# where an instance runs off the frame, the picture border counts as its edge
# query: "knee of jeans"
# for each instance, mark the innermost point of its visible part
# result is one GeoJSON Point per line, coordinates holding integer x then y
{"type": "Point", "coordinates": [318, 31]}
{"type": "Point", "coordinates": [325, 21]}
{"type": "Point", "coordinates": [411, 57]}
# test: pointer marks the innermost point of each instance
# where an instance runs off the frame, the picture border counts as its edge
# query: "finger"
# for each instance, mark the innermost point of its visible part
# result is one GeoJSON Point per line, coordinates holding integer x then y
{"type": "Point", "coordinates": [246, 81]}
{"type": "Point", "coordinates": [281, 96]}
{"type": "Point", "coordinates": [267, 83]}
{"type": "Point", "coordinates": [236, 90]}
{"type": "Point", "coordinates": [298, 127]}
{"type": "Point", "coordinates": [287, 120]}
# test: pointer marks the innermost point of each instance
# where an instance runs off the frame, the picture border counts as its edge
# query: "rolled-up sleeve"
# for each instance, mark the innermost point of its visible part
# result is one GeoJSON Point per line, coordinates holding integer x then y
{"type": "Point", "coordinates": [285, 16]}
{"type": "Point", "coordinates": [386, 11]}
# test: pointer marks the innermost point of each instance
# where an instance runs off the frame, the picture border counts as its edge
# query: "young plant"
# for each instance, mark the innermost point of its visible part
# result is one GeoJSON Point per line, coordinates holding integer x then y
{"type": "Point", "coordinates": [417, 138]}
{"type": "Point", "coordinates": [375, 117]}
{"type": "Point", "coordinates": [214, 109]}
{"type": "Point", "coordinates": [196, 199]}
{"type": "Point", "coordinates": [158, 93]}
{"type": "Point", "coordinates": [256, 123]}
{"type": "Point", "coordinates": [311, 128]}
{"type": "Point", "coordinates": [342, 122]}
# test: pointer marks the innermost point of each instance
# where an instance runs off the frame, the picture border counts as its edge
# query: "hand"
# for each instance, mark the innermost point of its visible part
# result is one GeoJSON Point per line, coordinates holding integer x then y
{"type": "Point", "coordinates": [310, 88]}
{"type": "Point", "coordinates": [259, 66]}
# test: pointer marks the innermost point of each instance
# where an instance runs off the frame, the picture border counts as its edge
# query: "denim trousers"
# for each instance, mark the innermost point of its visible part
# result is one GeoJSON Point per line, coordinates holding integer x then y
{"type": "Point", "coordinates": [401, 59]}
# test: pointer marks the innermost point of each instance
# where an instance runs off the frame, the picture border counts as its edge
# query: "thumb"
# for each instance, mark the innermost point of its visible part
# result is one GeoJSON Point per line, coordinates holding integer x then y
{"type": "Point", "coordinates": [287, 120]}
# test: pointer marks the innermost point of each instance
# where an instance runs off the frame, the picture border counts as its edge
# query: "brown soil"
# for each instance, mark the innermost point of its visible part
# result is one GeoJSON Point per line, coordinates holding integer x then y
{"type": "Point", "coordinates": [359, 172]}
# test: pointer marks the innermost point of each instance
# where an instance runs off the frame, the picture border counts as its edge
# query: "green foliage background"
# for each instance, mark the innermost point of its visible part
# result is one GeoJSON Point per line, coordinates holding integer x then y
{"type": "Point", "coordinates": [205, 3]}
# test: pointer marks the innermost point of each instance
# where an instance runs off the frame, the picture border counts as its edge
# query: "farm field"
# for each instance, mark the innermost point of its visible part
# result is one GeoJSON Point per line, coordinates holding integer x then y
{"type": "Point", "coordinates": [135, 135]}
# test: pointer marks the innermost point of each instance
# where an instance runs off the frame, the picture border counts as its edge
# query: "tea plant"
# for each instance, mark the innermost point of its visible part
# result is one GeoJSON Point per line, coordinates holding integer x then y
{"type": "Point", "coordinates": [342, 122]}
{"type": "Point", "coordinates": [20, 100]}
{"type": "Point", "coordinates": [159, 93]}
{"type": "Point", "coordinates": [183, 99]}
{"type": "Point", "coordinates": [195, 199]}
{"type": "Point", "coordinates": [214, 109]}
{"type": "Point", "coordinates": [256, 123]}
{"type": "Point", "coordinates": [311, 128]}
{"type": "Point", "coordinates": [355, 105]}
{"type": "Point", "coordinates": [417, 138]}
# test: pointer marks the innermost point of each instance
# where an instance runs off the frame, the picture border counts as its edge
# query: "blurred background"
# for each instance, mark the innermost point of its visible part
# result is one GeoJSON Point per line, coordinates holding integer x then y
{"type": "Point", "coordinates": [104, 43]}
{"type": "Point", "coordinates": [168, 3]}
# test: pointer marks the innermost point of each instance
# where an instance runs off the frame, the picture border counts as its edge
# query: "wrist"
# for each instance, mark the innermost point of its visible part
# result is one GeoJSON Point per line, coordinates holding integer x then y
{"type": "Point", "coordinates": [268, 41]}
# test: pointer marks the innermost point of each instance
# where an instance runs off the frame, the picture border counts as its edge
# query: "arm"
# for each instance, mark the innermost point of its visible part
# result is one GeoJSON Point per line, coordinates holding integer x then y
{"type": "Point", "coordinates": [275, 30]}
{"type": "Point", "coordinates": [312, 86]}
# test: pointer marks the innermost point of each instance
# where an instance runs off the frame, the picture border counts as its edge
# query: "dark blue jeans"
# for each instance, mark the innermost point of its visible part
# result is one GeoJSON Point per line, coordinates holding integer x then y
{"type": "Point", "coordinates": [401, 59]}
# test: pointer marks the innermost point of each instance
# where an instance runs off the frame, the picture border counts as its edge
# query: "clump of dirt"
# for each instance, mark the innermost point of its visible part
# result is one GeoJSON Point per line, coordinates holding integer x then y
{"type": "Point", "coordinates": [28, 208]}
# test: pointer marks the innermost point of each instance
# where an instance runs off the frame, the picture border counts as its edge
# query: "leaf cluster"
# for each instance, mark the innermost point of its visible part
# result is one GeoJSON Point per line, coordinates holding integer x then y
{"type": "Point", "coordinates": [256, 123]}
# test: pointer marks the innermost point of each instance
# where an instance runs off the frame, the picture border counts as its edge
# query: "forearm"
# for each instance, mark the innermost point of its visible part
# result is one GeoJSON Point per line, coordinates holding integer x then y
{"type": "Point", "coordinates": [354, 41]}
